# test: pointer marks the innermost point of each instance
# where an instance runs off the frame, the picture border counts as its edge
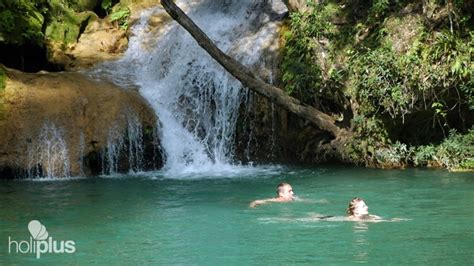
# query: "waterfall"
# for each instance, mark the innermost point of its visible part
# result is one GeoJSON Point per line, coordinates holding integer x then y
{"type": "Point", "coordinates": [127, 144]}
{"type": "Point", "coordinates": [80, 155]}
{"type": "Point", "coordinates": [135, 144]}
{"type": "Point", "coordinates": [195, 99]}
{"type": "Point", "coordinates": [111, 153]}
{"type": "Point", "coordinates": [48, 155]}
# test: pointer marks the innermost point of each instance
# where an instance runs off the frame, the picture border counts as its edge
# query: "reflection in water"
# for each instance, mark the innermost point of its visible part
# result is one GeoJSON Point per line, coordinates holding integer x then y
{"type": "Point", "coordinates": [361, 245]}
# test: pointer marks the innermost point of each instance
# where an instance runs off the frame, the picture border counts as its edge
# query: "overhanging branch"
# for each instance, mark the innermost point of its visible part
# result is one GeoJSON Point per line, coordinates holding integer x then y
{"type": "Point", "coordinates": [248, 79]}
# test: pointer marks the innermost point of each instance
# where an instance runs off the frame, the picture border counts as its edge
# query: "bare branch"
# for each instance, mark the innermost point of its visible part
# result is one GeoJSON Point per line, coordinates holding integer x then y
{"type": "Point", "coordinates": [248, 79]}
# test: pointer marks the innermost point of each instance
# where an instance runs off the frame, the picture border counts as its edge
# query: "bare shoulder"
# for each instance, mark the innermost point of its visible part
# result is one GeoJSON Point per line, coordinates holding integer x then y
{"type": "Point", "coordinates": [374, 217]}
{"type": "Point", "coordinates": [365, 218]}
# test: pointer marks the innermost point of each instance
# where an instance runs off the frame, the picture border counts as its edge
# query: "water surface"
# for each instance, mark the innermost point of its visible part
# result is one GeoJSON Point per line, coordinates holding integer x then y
{"type": "Point", "coordinates": [206, 220]}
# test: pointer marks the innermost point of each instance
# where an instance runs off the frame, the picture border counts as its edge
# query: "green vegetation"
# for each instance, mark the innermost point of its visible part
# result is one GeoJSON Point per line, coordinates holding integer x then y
{"type": "Point", "coordinates": [21, 21]}
{"type": "Point", "coordinates": [120, 15]}
{"type": "Point", "coordinates": [62, 21]}
{"type": "Point", "coordinates": [406, 69]}
{"type": "Point", "coordinates": [65, 24]}
{"type": "Point", "coordinates": [107, 5]}
{"type": "Point", "coordinates": [304, 76]}
{"type": "Point", "coordinates": [455, 152]}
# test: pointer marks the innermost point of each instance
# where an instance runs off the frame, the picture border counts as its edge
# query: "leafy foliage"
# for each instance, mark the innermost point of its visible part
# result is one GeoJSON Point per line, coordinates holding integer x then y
{"type": "Point", "coordinates": [394, 155]}
{"type": "Point", "coordinates": [369, 137]}
{"type": "Point", "coordinates": [21, 21]}
{"type": "Point", "coordinates": [456, 150]}
{"type": "Point", "coordinates": [390, 82]}
{"type": "Point", "coordinates": [121, 17]}
{"type": "Point", "coordinates": [302, 74]}
{"type": "Point", "coordinates": [423, 155]}
{"type": "Point", "coordinates": [378, 10]}
{"type": "Point", "coordinates": [435, 74]}
{"type": "Point", "coordinates": [380, 84]}
{"type": "Point", "coordinates": [106, 5]}
{"type": "Point", "coordinates": [24, 21]}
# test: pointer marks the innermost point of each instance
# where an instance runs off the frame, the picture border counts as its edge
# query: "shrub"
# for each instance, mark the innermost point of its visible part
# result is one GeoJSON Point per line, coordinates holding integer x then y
{"type": "Point", "coordinates": [423, 155]}
{"type": "Point", "coordinates": [456, 150]}
{"type": "Point", "coordinates": [121, 17]}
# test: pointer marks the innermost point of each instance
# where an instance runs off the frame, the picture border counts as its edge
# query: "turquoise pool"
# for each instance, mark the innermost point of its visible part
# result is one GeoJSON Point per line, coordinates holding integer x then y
{"type": "Point", "coordinates": [205, 220]}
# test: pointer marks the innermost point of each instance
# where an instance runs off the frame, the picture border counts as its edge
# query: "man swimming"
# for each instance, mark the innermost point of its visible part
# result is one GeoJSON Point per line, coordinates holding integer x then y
{"type": "Point", "coordinates": [284, 193]}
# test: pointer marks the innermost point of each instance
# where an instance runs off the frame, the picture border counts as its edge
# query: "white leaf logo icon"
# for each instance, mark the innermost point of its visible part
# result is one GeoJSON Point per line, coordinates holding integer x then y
{"type": "Point", "coordinates": [37, 230]}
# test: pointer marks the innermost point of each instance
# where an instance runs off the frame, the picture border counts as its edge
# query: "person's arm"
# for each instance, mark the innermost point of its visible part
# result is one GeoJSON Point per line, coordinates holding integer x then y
{"type": "Point", "coordinates": [255, 203]}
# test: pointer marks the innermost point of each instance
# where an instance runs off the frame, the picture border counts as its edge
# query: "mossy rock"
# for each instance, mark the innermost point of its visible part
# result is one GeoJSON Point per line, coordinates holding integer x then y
{"type": "Point", "coordinates": [3, 77]}
{"type": "Point", "coordinates": [67, 29]}
{"type": "Point", "coordinates": [67, 21]}
{"type": "Point", "coordinates": [84, 5]}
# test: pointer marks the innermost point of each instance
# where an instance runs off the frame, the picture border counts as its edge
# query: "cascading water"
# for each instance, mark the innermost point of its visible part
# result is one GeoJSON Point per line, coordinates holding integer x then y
{"type": "Point", "coordinates": [80, 156]}
{"type": "Point", "coordinates": [48, 155]}
{"type": "Point", "coordinates": [195, 99]}
{"type": "Point", "coordinates": [111, 155]}
{"type": "Point", "coordinates": [129, 142]}
{"type": "Point", "coordinates": [135, 144]}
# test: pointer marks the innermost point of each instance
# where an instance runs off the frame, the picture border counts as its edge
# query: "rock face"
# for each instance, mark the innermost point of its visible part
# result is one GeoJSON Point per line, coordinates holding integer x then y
{"type": "Point", "coordinates": [267, 133]}
{"type": "Point", "coordinates": [85, 39]}
{"type": "Point", "coordinates": [62, 124]}
{"type": "Point", "coordinates": [101, 41]}
{"type": "Point", "coordinates": [297, 5]}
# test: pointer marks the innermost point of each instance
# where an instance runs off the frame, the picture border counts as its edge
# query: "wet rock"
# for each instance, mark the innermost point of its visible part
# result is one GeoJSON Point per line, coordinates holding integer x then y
{"type": "Point", "coordinates": [60, 124]}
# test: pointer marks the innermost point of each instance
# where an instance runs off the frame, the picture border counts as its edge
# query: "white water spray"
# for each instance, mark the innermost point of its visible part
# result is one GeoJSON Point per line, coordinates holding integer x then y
{"type": "Point", "coordinates": [120, 143]}
{"type": "Point", "coordinates": [195, 99]}
{"type": "Point", "coordinates": [48, 155]}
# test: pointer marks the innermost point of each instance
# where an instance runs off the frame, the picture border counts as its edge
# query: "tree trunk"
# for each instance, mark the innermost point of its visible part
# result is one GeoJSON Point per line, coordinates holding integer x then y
{"type": "Point", "coordinates": [248, 79]}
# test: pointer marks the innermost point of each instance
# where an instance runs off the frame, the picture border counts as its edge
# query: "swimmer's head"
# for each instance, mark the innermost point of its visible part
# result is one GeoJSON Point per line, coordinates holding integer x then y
{"type": "Point", "coordinates": [357, 207]}
{"type": "Point", "coordinates": [285, 191]}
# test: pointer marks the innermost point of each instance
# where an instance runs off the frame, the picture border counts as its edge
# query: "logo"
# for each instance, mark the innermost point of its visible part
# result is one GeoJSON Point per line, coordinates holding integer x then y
{"type": "Point", "coordinates": [40, 242]}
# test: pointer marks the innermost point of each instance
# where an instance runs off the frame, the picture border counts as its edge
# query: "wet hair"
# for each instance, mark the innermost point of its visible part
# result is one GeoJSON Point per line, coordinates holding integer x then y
{"type": "Point", "coordinates": [280, 186]}
{"type": "Point", "coordinates": [352, 205]}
